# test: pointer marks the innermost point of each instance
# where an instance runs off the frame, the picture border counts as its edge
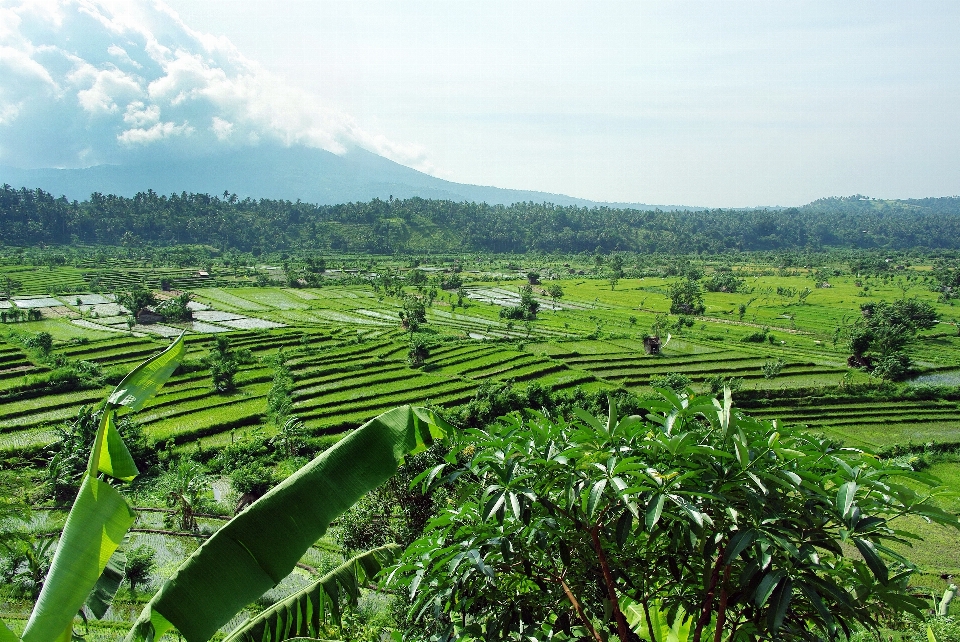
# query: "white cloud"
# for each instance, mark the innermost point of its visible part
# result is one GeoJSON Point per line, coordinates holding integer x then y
{"type": "Point", "coordinates": [106, 86]}
{"type": "Point", "coordinates": [103, 71]}
{"type": "Point", "coordinates": [221, 128]}
{"type": "Point", "coordinates": [121, 54]}
{"type": "Point", "coordinates": [138, 114]}
{"type": "Point", "coordinates": [158, 132]}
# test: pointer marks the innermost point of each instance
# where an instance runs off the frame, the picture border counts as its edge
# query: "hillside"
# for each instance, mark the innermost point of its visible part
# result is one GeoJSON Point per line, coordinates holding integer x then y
{"type": "Point", "coordinates": [420, 225]}
{"type": "Point", "coordinates": [272, 172]}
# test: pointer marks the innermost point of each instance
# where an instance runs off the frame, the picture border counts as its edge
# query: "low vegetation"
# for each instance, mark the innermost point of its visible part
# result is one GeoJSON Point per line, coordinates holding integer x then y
{"type": "Point", "coordinates": [854, 356]}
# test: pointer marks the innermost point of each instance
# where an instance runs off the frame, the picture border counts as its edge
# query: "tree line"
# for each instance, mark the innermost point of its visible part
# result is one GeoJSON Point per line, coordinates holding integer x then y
{"type": "Point", "coordinates": [34, 217]}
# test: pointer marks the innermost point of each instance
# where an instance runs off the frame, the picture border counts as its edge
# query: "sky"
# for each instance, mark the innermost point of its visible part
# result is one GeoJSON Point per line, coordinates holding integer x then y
{"type": "Point", "coordinates": [717, 103]}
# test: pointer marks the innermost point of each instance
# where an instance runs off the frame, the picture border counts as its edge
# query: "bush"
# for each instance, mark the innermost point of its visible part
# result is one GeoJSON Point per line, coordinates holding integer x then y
{"type": "Point", "coordinates": [723, 282]}
{"type": "Point", "coordinates": [252, 479]}
{"type": "Point", "coordinates": [140, 563]}
{"type": "Point", "coordinates": [42, 341]}
{"type": "Point", "coordinates": [893, 367]}
{"type": "Point", "coordinates": [673, 380]}
{"type": "Point", "coordinates": [718, 382]}
{"type": "Point", "coordinates": [756, 337]}
{"type": "Point", "coordinates": [243, 453]}
{"type": "Point", "coordinates": [771, 369]}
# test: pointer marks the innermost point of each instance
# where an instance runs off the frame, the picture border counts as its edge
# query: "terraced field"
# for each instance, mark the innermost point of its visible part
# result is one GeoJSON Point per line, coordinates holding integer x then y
{"type": "Point", "coordinates": [347, 354]}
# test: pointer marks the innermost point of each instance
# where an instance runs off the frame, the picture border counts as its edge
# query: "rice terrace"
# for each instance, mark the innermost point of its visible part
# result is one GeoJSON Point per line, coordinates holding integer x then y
{"type": "Point", "coordinates": [285, 357]}
{"type": "Point", "coordinates": [479, 321]}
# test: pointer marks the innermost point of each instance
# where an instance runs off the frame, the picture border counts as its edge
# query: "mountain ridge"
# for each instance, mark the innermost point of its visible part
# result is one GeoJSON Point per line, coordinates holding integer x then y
{"type": "Point", "coordinates": [287, 173]}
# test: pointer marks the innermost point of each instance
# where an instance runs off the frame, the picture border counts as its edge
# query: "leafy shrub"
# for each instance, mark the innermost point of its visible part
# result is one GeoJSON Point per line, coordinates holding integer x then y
{"type": "Point", "coordinates": [674, 381]}
{"type": "Point", "coordinates": [718, 382]}
{"type": "Point", "coordinates": [723, 282]}
{"type": "Point", "coordinates": [175, 309]}
{"type": "Point", "coordinates": [756, 337]}
{"type": "Point", "coordinates": [686, 297]}
{"type": "Point", "coordinates": [243, 453]}
{"type": "Point", "coordinates": [252, 479]}
{"type": "Point", "coordinates": [139, 566]}
{"type": "Point", "coordinates": [42, 341]}
{"type": "Point", "coordinates": [771, 369]}
{"type": "Point", "coordinates": [551, 513]}
{"type": "Point", "coordinates": [893, 367]}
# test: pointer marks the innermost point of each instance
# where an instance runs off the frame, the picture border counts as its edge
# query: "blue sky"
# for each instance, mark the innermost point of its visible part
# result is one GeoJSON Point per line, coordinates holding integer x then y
{"type": "Point", "coordinates": [717, 103]}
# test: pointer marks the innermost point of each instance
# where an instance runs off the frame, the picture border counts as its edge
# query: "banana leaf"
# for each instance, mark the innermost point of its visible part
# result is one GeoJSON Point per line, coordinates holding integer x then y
{"type": "Point", "coordinates": [107, 586]}
{"type": "Point", "coordinates": [254, 551]}
{"type": "Point", "coordinates": [100, 516]}
{"type": "Point", "coordinates": [6, 635]}
{"type": "Point", "coordinates": [302, 613]}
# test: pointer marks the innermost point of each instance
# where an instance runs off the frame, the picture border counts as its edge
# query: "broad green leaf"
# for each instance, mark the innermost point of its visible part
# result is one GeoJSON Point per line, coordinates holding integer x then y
{"type": "Point", "coordinates": [302, 613]}
{"type": "Point", "coordinates": [930, 636]}
{"type": "Point", "coordinates": [872, 558]}
{"type": "Point", "coordinates": [654, 510]}
{"type": "Point", "coordinates": [740, 541]}
{"type": "Point", "coordinates": [110, 455]}
{"type": "Point", "coordinates": [767, 584]}
{"type": "Point", "coordinates": [106, 587]}
{"type": "Point", "coordinates": [781, 602]}
{"type": "Point", "coordinates": [146, 379]}
{"type": "Point", "coordinates": [596, 494]}
{"type": "Point", "coordinates": [6, 635]}
{"type": "Point", "coordinates": [845, 498]}
{"type": "Point", "coordinates": [589, 419]}
{"type": "Point", "coordinates": [95, 527]}
{"type": "Point", "coordinates": [743, 453]}
{"type": "Point", "coordinates": [259, 547]}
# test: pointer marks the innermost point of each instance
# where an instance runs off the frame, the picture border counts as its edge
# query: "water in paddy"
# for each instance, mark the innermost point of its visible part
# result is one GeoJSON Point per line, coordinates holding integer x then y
{"type": "Point", "coordinates": [943, 378]}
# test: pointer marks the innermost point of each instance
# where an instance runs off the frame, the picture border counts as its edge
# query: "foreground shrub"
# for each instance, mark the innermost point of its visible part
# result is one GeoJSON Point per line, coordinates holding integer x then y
{"type": "Point", "coordinates": [698, 515]}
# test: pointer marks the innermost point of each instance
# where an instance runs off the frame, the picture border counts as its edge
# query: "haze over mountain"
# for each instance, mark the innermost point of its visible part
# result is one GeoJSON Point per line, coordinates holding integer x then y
{"type": "Point", "coordinates": [274, 172]}
{"type": "Point", "coordinates": [120, 97]}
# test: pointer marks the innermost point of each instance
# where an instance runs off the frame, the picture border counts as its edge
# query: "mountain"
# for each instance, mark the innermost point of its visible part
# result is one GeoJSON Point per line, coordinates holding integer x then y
{"type": "Point", "coordinates": [274, 172]}
{"type": "Point", "coordinates": [122, 89]}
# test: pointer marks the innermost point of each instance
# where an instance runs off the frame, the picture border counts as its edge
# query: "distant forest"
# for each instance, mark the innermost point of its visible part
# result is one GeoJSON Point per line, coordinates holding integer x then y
{"type": "Point", "coordinates": [34, 217]}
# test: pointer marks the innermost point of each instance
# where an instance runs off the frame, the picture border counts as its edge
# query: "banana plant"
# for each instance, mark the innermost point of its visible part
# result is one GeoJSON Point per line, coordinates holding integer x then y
{"type": "Point", "coordinates": [255, 550]}
{"type": "Point", "coordinates": [100, 516]}
{"type": "Point", "coordinates": [304, 611]}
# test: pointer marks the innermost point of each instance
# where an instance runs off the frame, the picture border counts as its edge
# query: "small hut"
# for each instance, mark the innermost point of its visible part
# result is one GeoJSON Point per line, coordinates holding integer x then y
{"type": "Point", "coordinates": [651, 345]}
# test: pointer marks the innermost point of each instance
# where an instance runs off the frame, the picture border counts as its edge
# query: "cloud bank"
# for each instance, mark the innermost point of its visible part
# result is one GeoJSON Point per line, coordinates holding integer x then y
{"type": "Point", "coordinates": [86, 82]}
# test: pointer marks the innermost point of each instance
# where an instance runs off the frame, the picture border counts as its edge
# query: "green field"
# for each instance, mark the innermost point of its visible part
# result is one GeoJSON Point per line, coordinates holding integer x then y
{"type": "Point", "coordinates": [347, 353]}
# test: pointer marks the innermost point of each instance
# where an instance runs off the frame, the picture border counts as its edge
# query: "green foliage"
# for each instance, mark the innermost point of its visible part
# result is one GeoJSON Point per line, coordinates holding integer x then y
{"type": "Point", "coordinates": [310, 611]}
{"type": "Point", "coordinates": [175, 309]}
{"type": "Point", "coordinates": [413, 314]}
{"type": "Point", "coordinates": [140, 564]}
{"type": "Point", "coordinates": [686, 297]}
{"type": "Point", "coordinates": [673, 380]}
{"type": "Point", "coordinates": [718, 382]}
{"type": "Point", "coordinates": [526, 310]}
{"type": "Point", "coordinates": [224, 364]}
{"type": "Point", "coordinates": [249, 554]}
{"type": "Point", "coordinates": [757, 337]}
{"type": "Point", "coordinates": [772, 369]}
{"type": "Point", "coordinates": [253, 479]}
{"type": "Point", "coordinates": [25, 562]}
{"type": "Point", "coordinates": [42, 341]}
{"type": "Point", "coordinates": [279, 400]}
{"type": "Point", "coordinates": [136, 299]}
{"type": "Point", "coordinates": [184, 487]}
{"type": "Point", "coordinates": [71, 450]}
{"type": "Point", "coordinates": [744, 525]}
{"type": "Point", "coordinates": [878, 339]}
{"type": "Point", "coordinates": [418, 350]}
{"type": "Point", "coordinates": [723, 282]}
{"type": "Point", "coordinates": [81, 570]}
{"type": "Point", "coordinates": [416, 277]}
